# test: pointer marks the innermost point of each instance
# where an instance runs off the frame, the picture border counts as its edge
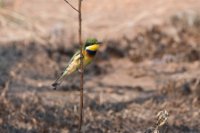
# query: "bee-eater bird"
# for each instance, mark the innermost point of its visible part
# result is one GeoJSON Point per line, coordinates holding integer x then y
{"type": "Point", "coordinates": [89, 51]}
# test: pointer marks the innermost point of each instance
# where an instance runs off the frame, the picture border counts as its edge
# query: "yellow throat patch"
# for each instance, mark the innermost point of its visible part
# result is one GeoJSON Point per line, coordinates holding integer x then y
{"type": "Point", "coordinates": [94, 47]}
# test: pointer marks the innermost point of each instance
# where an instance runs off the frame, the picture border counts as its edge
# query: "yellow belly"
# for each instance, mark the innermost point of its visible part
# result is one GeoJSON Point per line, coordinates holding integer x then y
{"type": "Point", "coordinates": [87, 60]}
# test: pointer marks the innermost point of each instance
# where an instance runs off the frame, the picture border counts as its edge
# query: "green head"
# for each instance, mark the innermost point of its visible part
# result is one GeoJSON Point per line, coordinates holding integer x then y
{"type": "Point", "coordinates": [91, 46]}
{"type": "Point", "coordinates": [90, 42]}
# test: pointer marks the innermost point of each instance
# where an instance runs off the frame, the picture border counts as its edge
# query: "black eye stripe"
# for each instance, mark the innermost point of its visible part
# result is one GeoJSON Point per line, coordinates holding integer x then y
{"type": "Point", "coordinates": [88, 44]}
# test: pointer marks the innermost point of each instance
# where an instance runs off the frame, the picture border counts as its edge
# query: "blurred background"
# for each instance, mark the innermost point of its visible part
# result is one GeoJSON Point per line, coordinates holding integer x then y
{"type": "Point", "coordinates": [150, 61]}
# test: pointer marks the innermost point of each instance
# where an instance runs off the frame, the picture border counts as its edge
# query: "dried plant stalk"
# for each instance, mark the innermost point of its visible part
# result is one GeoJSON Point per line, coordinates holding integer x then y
{"type": "Point", "coordinates": [162, 117]}
{"type": "Point", "coordinates": [81, 68]}
{"type": "Point", "coordinates": [81, 59]}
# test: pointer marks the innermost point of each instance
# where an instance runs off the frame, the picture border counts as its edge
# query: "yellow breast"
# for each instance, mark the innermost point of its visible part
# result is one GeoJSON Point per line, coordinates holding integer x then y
{"type": "Point", "coordinates": [87, 58]}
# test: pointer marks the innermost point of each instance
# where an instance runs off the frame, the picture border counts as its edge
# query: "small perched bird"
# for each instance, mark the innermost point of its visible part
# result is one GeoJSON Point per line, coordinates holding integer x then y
{"type": "Point", "coordinates": [89, 51]}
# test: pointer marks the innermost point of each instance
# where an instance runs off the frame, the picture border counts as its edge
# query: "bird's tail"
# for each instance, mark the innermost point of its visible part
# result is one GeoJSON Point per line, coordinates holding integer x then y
{"type": "Point", "coordinates": [59, 80]}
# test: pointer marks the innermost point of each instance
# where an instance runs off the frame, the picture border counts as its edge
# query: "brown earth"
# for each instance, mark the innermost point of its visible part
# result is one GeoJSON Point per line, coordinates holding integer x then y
{"type": "Point", "coordinates": [149, 62]}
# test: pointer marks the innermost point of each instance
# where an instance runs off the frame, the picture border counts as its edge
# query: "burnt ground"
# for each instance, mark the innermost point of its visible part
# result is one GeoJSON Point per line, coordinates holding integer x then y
{"type": "Point", "coordinates": [138, 72]}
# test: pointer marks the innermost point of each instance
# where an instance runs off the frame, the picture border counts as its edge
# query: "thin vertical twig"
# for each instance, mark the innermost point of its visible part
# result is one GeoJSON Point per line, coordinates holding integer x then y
{"type": "Point", "coordinates": [81, 61]}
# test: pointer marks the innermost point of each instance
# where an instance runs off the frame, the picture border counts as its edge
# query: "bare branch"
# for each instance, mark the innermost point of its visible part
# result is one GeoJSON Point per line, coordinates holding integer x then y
{"type": "Point", "coordinates": [71, 6]}
{"type": "Point", "coordinates": [82, 68]}
{"type": "Point", "coordinates": [81, 60]}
